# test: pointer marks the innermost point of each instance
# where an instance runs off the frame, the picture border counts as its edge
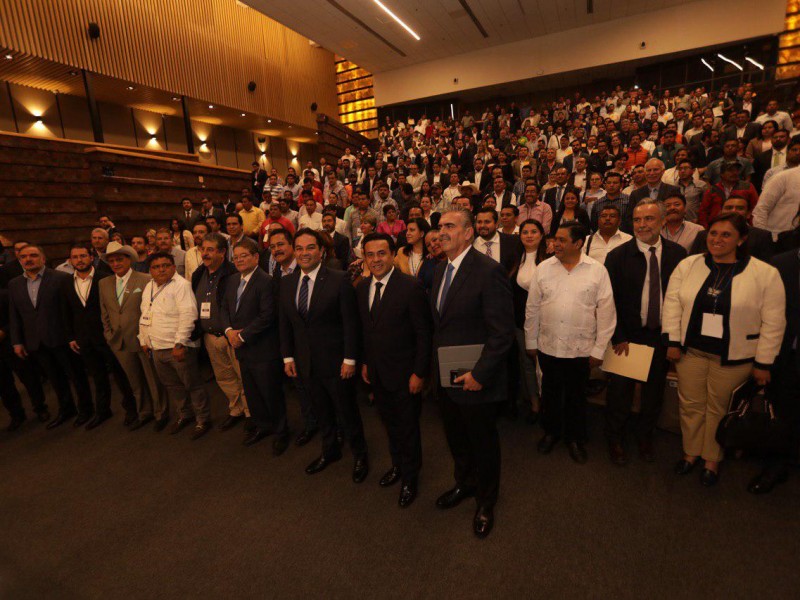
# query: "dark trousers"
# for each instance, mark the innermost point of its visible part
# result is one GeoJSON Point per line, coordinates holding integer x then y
{"type": "Point", "coordinates": [471, 434]}
{"type": "Point", "coordinates": [62, 365]}
{"type": "Point", "coordinates": [335, 399]}
{"type": "Point", "coordinates": [263, 388]}
{"type": "Point", "coordinates": [306, 407]}
{"type": "Point", "coordinates": [399, 411]}
{"type": "Point", "coordinates": [784, 391]}
{"type": "Point", "coordinates": [30, 376]}
{"type": "Point", "coordinates": [619, 396]}
{"type": "Point", "coordinates": [564, 396]}
{"type": "Point", "coordinates": [99, 361]}
{"type": "Point", "coordinates": [8, 389]}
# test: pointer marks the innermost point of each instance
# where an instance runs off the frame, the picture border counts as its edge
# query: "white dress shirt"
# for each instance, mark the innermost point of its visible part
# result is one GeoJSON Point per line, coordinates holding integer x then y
{"type": "Point", "coordinates": [599, 248]}
{"type": "Point", "coordinates": [372, 287]}
{"type": "Point", "coordinates": [526, 270]}
{"type": "Point", "coordinates": [570, 314]}
{"type": "Point", "coordinates": [172, 311]}
{"type": "Point", "coordinates": [645, 249]}
{"type": "Point", "coordinates": [480, 245]}
{"type": "Point", "coordinates": [456, 262]}
{"type": "Point", "coordinates": [312, 222]}
{"type": "Point", "coordinates": [83, 286]}
{"type": "Point", "coordinates": [777, 206]}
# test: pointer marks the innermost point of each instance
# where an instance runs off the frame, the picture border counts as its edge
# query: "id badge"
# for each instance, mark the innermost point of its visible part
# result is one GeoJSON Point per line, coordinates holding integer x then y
{"type": "Point", "coordinates": [712, 326]}
{"type": "Point", "coordinates": [205, 310]}
{"type": "Point", "coordinates": [145, 319]}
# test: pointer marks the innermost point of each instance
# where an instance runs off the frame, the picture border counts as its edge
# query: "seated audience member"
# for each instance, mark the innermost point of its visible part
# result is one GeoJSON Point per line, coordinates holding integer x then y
{"type": "Point", "coordinates": [608, 235]}
{"type": "Point", "coordinates": [341, 245]}
{"type": "Point", "coordinates": [654, 187]}
{"type": "Point", "coordinates": [500, 247]}
{"type": "Point", "coordinates": [181, 235]}
{"type": "Point", "coordinates": [720, 334]}
{"type": "Point", "coordinates": [730, 153]}
{"type": "Point", "coordinates": [570, 210]}
{"type": "Point", "coordinates": [391, 225]}
{"type": "Point", "coordinates": [534, 209]}
{"type": "Point", "coordinates": [729, 182]}
{"type": "Point", "coordinates": [676, 228]}
{"type": "Point", "coordinates": [411, 257]}
{"type": "Point", "coordinates": [508, 220]}
{"type": "Point", "coordinates": [165, 244]}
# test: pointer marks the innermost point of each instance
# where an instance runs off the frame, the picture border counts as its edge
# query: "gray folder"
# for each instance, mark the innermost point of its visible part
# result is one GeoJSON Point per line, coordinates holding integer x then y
{"type": "Point", "coordinates": [452, 358]}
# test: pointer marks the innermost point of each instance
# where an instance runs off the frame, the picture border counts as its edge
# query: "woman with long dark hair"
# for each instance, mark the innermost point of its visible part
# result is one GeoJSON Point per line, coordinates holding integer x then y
{"type": "Point", "coordinates": [410, 258]}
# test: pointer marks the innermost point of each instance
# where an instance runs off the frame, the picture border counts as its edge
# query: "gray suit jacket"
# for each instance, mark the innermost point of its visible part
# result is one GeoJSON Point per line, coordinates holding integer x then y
{"type": "Point", "coordinates": [121, 321]}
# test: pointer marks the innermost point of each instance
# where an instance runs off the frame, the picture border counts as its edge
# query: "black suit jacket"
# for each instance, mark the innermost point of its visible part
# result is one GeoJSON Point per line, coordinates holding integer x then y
{"type": "Point", "coordinates": [510, 251]}
{"type": "Point", "coordinates": [194, 216]}
{"type": "Point", "coordinates": [257, 317]}
{"type": "Point", "coordinates": [550, 195]}
{"type": "Point", "coordinates": [702, 159]}
{"type": "Point", "coordinates": [44, 325]}
{"type": "Point", "coordinates": [341, 248]}
{"type": "Point", "coordinates": [83, 323]}
{"type": "Point", "coordinates": [627, 268]}
{"type": "Point", "coordinates": [226, 271]}
{"type": "Point", "coordinates": [12, 269]}
{"type": "Point", "coordinates": [759, 243]}
{"type": "Point", "coordinates": [478, 309]}
{"type": "Point", "coordinates": [329, 333]}
{"type": "Point", "coordinates": [581, 216]}
{"type": "Point", "coordinates": [788, 265]}
{"type": "Point", "coordinates": [397, 342]}
{"type": "Point", "coordinates": [643, 192]}
{"type": "Point", "coordinates": [463, 160]}
{"type": "Point", "coordinates": [762, 163]}
{"type": "Point", "coordinates": [751, 130]}
{"type": "Point", "coordinates": [218, 214]}
{"type": "Point", "coordinates": [486, 180]}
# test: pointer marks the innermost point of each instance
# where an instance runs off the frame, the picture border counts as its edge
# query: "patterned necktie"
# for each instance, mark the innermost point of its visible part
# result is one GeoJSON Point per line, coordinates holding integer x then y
{"type": "Point", "coordinates": [489, 249]}
{"type": "Point", "coordinates": [302, 300]}
{"type": "Point", "coordinates": [654, 293]}
{"type": "Point", "coordinates": [448, 277]}
{"type": "Point", "coordinates": [239, 291]}
{"type": "Point", "coordinates": [376, 301]}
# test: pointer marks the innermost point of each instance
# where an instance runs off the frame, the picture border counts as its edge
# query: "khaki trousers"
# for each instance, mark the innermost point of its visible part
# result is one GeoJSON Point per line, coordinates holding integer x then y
{"type": "Point", "coordinates": [704, 391]}
{"type": "Point", "coordinates": [227, 373]}
{"type": "Point", "coordinates": [150, 396]}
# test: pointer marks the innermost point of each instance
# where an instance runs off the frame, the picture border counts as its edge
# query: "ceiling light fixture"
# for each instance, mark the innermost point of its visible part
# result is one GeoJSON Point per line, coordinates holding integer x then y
{"type": "Point", "coordinates": [269, 120]}
{"type": "Point", "coordinates": [753, 61]}
{"type": "Point", "coordinates": [154, 138]}
{"type": "Point", "coordinates": [176, 99]}
{"type": "Point", "coordinates": [130, 88]}
{"type": "Point", "coordinates": [244, 114]}
{"type": "Point", "coordinates": [211, 107]}
{"type": "Point", "coordinates": [733, 62]}
{"type": "Point", "coordinates": [396, 18]}
{"type": "Point", "coordinates": [9, 57]}
{"type": "Point", "coordinates": [705, 62]}
{"type": "Point", "coordinates": [39, 120]}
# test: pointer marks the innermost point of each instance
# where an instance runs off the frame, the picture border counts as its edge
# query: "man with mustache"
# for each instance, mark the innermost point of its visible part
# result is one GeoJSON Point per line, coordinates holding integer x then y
{"type": "Point", "coordinates": [676, 228]}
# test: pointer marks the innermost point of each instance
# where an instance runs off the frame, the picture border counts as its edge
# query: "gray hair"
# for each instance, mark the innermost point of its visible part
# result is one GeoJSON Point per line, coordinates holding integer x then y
{"type": "Point", "coordinates": [100, 230]}
{"type": "Point", "coordinates": [650, 201]}
{"type": "Point", "coordinates": [466, 216]}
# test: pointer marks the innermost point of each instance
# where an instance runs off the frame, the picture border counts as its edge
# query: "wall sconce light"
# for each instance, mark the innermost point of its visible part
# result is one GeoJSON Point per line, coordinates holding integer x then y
{"type": "Point", "coordinates": [39, 121]}
{"type": "Point", "coordinates": [154, 138]}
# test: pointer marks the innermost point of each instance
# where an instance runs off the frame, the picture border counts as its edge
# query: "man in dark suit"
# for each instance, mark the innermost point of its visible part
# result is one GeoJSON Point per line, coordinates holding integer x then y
{"type": "Point", "coordinates": [319, 332]}
{"type": "Point", "coordinates": [502, 247]}
{"type": "Point", "coordinates": [554, 195]}
{"type": "Point", "coordinates": [463, 157]}
{"type": "Point", "coordinates": [207, 209]}
{"type": "Point", "coordinates": [759, 241]}
{"type": "Point", "coordinates": [655, 189]}
{"type": "Point", "coordinates": [639, 271]}
{"type": "Point", "coordinates": [742, 128]}
{"type": "Point", "coordinates": [258, 179]}
{"type": "Point", "coordinates": [84, 327]}
{"type": "Point", "coordinates": [479, 176]}
{"type": "Point", "coordinates": [250, 321]}
{"type": "Point", "coordinates": [472, 304]}
{"type": "Point", "coordinates": [764, 161]}
{"type": "Point", "coordinates": [37, 311]}
{"type": "Point", "coordinates": [784, 389]}
{"type": "Point", "coordinates": [341, 245]}
{"type": "Point", "coordinates": [396, 324]}
{"type": "Point", "coordinates": [188, 214]}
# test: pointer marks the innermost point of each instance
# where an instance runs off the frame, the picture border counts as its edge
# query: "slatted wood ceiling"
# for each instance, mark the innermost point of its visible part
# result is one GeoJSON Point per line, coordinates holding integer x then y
{"type": "Point", "coordinates": [204, 49]}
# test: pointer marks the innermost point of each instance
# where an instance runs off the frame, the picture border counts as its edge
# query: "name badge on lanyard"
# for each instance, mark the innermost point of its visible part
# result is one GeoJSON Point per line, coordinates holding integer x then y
{"type": "Point", "coordinates": [712, 326]}
{"type": "Point", "coordinates": [205, 310]}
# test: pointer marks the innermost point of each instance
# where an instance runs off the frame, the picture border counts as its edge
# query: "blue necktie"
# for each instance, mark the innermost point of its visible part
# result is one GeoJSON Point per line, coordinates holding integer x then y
{"type": "Point", "coordinates": [448, 277]}
{"type": "Point", "coordinates": [242, 283]}
{"type": "Point", "coordinates": [302, 300]}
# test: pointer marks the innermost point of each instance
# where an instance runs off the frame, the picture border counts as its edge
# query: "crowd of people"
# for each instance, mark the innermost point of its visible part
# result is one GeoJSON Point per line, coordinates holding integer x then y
{"type": "Point", "coordinates": [540, 237]}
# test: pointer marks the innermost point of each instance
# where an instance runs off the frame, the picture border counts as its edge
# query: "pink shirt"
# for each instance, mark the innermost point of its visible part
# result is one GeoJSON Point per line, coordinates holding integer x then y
{"type": "Point", "coordinates": [541, 211]}
{"type": "Point", "coordinates": [393, 230]}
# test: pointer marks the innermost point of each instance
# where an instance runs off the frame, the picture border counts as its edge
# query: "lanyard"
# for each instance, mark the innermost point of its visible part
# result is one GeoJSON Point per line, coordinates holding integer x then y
{"type": "Point", "coordinates": [721, 283]}
{"type": "Point", "coordinates": [152, 296]}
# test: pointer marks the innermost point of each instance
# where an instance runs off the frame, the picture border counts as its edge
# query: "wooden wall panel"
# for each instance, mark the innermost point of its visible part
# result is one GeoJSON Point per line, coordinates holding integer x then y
{"type": "Point", "coordinates": [204, 49]}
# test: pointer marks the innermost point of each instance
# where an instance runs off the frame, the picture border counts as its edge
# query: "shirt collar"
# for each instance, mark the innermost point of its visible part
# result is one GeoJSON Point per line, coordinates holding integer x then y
{"type": "Point", "coordinates": [35, 277]}
{"type": "Point", "coordinates": [291, 268]}
{"type": "Point", "coordinates": [456, 262]}
{"type": "Point", "coordinates": [125, 277]}
{"type": "Point", "coordinates": [247, 277]}
{"type": "Point", "coordinates": [385, 280]}
{"type": "Point", "coordinates": [645, 248]}
{"type": "Point", "coordinates": [495, 239]}
{"type": "Point", "coordinates": [313, 275]}
{"type": "Point", "coordinates": [77, 278]}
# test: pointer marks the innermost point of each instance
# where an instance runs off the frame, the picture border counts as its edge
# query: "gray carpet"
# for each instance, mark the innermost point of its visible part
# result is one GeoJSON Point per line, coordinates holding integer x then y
{"type": "Point", "coordinates": [113, 514]}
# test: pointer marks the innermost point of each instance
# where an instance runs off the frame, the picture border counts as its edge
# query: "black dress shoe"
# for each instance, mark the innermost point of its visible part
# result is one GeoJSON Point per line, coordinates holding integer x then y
{"type": "Point", "coordinates": [408, 492]}
{"type": "Point", "coordinates": [305, 436]}
{"type": "Point", "coordinates": [322, 463]}
{"type": "Point", "coordinates": [391, 477]}
{"type": "Point", "coordinates": [616, 452]}
{"type": "Point", "coordinates": [178, 425]}
{"type": "Point", "coordinates": [577, 452]}
{"type": "Point", "coordinates": [709, 478]}
{"type": "Point", "coordinates": [130, 419]}
{"type": "Point", "coordinates": [161, 424]}
{"type": "Point", "coordinates": [546, 444]}
{"type": "Point", "coordinates": [360, 469]}
{"type": "Point", "coordinates": [97, 420]}
{"type": "Point", "coordinates": [764, 482]}
{"type": "Point", "coordinates": [139, 423]}
{"type": "Point", "coordinates": [280, 444]}
{"type": "Point", "coordinates": [60, 420]}
{"type": "Point", "coordinates": [483, 521]}
{"type": "Point", "coordinates": [15, 423]}
{"type": "Point", "coordinates": [256, 436]}
{"type": "Point", "coordinates": [684, 467]}
{"type": "Point", "coordinates": [43, 415]}
{"type": "Point", "coordinates": [646, 451]}
{"type": "Point", "coordinates": [249, 425]}
{"type": "Point", "coordinates": [81, 420]}
{"type": "Point", "coordinates": [454, 497]}
{"type": "Point", "coordinates": [230, 422]}
{"type": "Point", "coordinates": [200, 430]}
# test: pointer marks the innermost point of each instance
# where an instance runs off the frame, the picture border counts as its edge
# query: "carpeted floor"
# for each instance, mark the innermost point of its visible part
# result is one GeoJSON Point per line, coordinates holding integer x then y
{"type": "Point", "coordinates": [113, 514]}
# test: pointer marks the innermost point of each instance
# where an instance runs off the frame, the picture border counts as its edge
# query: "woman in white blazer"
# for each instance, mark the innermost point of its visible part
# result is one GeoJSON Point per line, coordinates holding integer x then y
{"type": "Point", "coordinates": [724, 320]}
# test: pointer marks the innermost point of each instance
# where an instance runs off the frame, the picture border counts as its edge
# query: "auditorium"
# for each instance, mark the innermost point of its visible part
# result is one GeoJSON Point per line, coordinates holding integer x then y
{"type": "Point", "coordinates": [393, 298]}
